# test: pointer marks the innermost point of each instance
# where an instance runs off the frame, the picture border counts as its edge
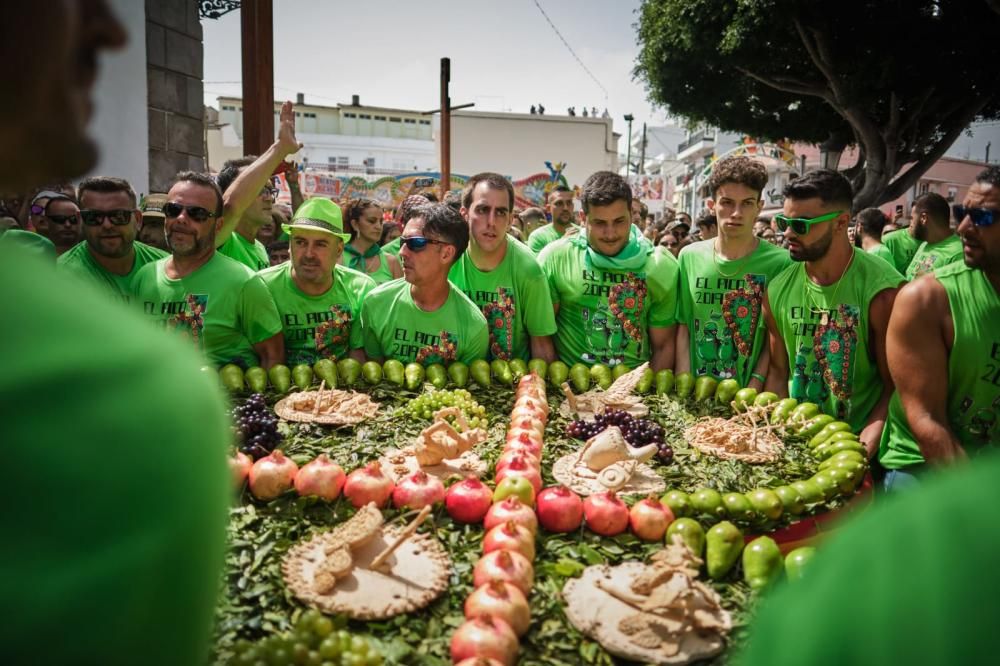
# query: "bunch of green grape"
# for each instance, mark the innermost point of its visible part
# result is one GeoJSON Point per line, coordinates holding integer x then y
{"type": "Point", "coordinates": [316, 640]}
{"type": "Point", "coordinates": [424, 406]}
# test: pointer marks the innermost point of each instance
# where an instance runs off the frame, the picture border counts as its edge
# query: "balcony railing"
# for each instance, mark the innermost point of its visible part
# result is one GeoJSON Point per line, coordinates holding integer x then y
{"type": "Point", "coordinates": [700, 135]}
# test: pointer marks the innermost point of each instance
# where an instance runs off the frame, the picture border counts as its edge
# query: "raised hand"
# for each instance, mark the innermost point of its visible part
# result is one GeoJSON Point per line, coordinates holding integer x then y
{"type": "Point", "coordinates": [286, 130]}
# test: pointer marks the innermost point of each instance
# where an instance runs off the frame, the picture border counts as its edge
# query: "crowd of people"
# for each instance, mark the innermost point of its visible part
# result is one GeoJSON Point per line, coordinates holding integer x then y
{"type": "Point", "coordinates": [118, 504]}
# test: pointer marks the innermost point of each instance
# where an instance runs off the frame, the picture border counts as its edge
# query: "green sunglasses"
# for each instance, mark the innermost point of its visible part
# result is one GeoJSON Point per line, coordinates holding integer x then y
{"type": "Point", "coordinates": [801, 225]}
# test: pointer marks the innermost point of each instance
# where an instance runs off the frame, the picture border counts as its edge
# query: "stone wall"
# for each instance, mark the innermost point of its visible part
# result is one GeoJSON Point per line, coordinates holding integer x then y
{"type": "Point", "coordinates": [174, 60]}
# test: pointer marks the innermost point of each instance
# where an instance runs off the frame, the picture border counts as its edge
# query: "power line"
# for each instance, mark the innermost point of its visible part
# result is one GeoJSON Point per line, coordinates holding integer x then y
{"type": "Point", "coordinates": [572, 52]}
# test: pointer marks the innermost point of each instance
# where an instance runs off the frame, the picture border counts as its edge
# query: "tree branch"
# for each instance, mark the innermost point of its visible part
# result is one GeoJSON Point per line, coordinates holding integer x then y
{"type": "Point", "coordinates": [817, 58]}
{"type": "Point", "coordinates": [788, 85]}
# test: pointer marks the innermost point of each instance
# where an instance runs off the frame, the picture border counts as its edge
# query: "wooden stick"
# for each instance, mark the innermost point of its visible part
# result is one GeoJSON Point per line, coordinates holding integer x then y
{"type": "Point", "coordinates": [379, 561]}
{"type": "Point", "coordinates": [570, 398]}
{"type": "Point", "coordinates": [319, 397]}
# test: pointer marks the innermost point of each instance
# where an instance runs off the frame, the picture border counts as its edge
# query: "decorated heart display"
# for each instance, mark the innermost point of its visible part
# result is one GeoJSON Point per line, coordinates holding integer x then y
{"type": "Point", "coordinates": [500, 320]}
{"type": "Point", "coordinates": [442, 352]}
{"type": "Point", "coordinates": [333, 332]}
{"type": "Point", "coordinates": [626, 300]}
{"type": "Point", "coordinates": [741, 311]}
{"type": "Point", "coordinates": [834, 345]}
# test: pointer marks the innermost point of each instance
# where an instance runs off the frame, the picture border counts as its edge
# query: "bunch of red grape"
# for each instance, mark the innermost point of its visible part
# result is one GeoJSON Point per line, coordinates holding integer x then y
{"type": "Point", "coordinates": [637, 432]}
{"type": "Point", "coordinates": [256, 427]}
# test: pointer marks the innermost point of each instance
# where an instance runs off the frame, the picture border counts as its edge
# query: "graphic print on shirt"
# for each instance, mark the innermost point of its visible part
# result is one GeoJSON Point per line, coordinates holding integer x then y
{"type": "Point", "coordinates": [189, 317]}
{"type": "Point", "coordinates": [610, 331]}
{"type": "Point", "coordinates": [334, 332]}
{"type": "Point", "coordinates": [926, 265]}
{"type": "Point", "coordinates": [443, 351]}
{"type": "Point", "coordinates": [728, 335]}
{"type": "Point", "coordinates": [500, 320]}
{"type": "Point", "coordinates": [833, 351]}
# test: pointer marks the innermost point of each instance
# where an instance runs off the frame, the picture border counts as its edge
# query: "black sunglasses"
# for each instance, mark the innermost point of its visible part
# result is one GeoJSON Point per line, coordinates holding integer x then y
{"type": "Point", "coordinates": [94, 218]}
{"type": "Point", "coordinates": [196, 213]}
{"type": "Point", "coordinates": [981, 217]}
{"type": "Point", "coordinates": [418, 243]}
{"type": "Point", "coordinates": [63, 219]}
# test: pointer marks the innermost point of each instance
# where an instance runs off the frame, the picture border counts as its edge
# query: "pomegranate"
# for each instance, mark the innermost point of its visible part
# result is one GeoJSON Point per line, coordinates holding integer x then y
{"type": "Point", "coordinates": [606, 514]}
{"type": "Point", "coordinates": [649, 519]}
{"type": "Point", "coordinates": [511, 536]}
{"type": "Point", "coordinates": [505, 565]}
{"type": "Point", "coordinates": [559, 509]}
{"type": "Point", "coordinates": [521, 467]}
{"type": "Point", "coordinates": [485, 636]}
{"type": "Point", "coordinates": [509, 454]}
{"type": "Point", "coordinates": [468, 500]}
{"type": "Point", "coordinates": [501, 600]}
{"type": "Point", "coordinates": [368, 484]}
{"type": "Point", "coordinates": [321, 477]}
{"type": "Point", "coordinates": [479, 661]}
{"type": "Point", "coordinates": [527, 438]}
{"type": "Point", "coordinates": [533, 402]}
{"type": "Point", "coordinates": [511, 509]}
{"type": "Point", "coordinates": [240, 465]}
{"type": "Point", "coordinates": [417, 491]}
{"type": "Point", "coordinates": [528, 409]}
{"type": "Point", "coordinates": [272, 475]}
{"type": "Point", "coordinates": [528, 422]}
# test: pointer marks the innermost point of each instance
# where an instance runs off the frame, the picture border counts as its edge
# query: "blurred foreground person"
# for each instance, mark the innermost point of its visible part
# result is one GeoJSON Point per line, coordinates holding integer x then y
{"type": "Point", "coordinates": [119, 504]}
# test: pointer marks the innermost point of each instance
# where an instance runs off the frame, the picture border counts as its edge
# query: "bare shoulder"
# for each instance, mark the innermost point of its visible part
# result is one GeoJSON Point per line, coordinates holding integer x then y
{"type": "Point", "coordinates": [925, 296]}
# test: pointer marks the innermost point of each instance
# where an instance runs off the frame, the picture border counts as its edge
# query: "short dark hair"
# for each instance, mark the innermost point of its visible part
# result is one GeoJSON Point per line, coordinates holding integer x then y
{"type": "Point", "coordinates": [603, 188]}
{"type": "Point", "coordinates": [352, 211]}
{"type": "Point", "coordinates": [936, 207]}
{"type": "Point", "coordinates": [493, 180]}
{"type": "Point", "coordinates": [386, 228]}
{"type": "Point", "coordinates": [872, 221]}
{"type": "Point", "coordinates": [557, 188]}
{"type": "Point", "coordinates": [989, 176]}
{"type": "Point", "coordinates": [707, 220]}
{"type": "Point", "coordinates": [643, 210]}
{"type": "Point", "coordinates": [738, 169]}
{"type": "Point", "coordinates": [231, 169]}
{"type": "Point", "coordinates": [444, 221]}
{"type": "Point", "coordinates": [827, 185]}
{"type": "Point", "coordinates": [106, 185]}
{"type": "Point", "coordinates": [453, 199]}
{"type": "Point", "coordinates": [430, 196]}
{"type": "Point", "coordinates": [275, 246]}
{"type": "Point", "coordinates": [204, 180]}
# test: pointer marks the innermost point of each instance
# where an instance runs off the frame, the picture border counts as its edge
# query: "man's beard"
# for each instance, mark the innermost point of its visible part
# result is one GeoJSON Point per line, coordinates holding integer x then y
{"type": "Point", "coordinates": [817, 250]}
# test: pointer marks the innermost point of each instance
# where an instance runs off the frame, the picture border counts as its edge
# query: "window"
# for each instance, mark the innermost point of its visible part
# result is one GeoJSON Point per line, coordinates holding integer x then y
{"type": "Point", "coordinates": [425, 122]}
{"type": "Point", "coordinates": [393, 119]}
{"type": "Point", "coordinates": [382, 118]}
{"type": "Point", "coordinates": [925, 187]}
{"type": "Point", "coordinates": [343, 160]}
{"type": "Point", "coordinates": [350, 115]}
{"type": "Point", "coordinates": [409, 121]}
{"type": "Point", "coordinates": [309, 115]}
{"type": "Point", "coordinates": [365, 116]}
{"type": "Point", "coordinates": [231, 108]}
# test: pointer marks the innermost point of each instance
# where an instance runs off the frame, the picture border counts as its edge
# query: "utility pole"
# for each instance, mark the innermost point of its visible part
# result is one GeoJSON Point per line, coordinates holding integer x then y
{"type": "Point", "coordinates": [257, 38]}
{"type": "Point", "coordinates": [445, 127]}
{"type": "Point", "coordinates": [628, 154]}
{"type": "Point", "coordinates": [642, 153]}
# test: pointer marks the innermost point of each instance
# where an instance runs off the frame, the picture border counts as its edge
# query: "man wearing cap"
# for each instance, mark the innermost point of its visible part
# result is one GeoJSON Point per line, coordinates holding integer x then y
{"type": "Point", "coordinates": [319, 301]}
{"type": "Point", "coordinates": [560, 207]}
{"type": "Point", "coordinates": [424, 318]}
{"type": "Point", "coordinates": [59, 221]}
{"type": "Point", "coordinates": [248, 194]}
{"type": "Point", "coordinates": [222, 306]}
{"type": "Point", "coordinates": [502, 276]}
{"type": "Point", "coordinates": [109, 254]}
{"type": "Point", "coordinates": [151, 232]}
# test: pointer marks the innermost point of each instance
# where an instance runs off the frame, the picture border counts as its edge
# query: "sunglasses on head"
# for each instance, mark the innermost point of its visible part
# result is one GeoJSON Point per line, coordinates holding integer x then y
{"type": "Point", "coordinates": [981, 217]}
{"type": "Point", "coordinates": [419, 243]}
{"type": "Point", "coordinates": [196, 213]}
{"type": "Point", "coordinates": [62, 219]}
{"type": "Point", "coordinates": [94, 218]}
{"type": "Point", "coordinates": [801, 225]}
{"type": "Point", "coordinates": [269, 192]}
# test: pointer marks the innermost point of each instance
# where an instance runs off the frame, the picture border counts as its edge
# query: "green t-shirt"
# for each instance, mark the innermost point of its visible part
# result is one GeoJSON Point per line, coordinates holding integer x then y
{"type": "Point", "coordinates": [393, 246]}
{"type": "Point", "coordinates": [973, 371]}
{"type": "Point", "coordinates": [324, 326]}
{"type": "Point", "coordinates": [383, 273]}
{"type": "Point", "coordinates": [931, 256]}
{"type": "Point", "coordinates": [882, 251]}
{"type": "Point", "coordinates": [394, 327]}
{"type": "Point", "coordinates": [514, 298]}
{"type": "Point", "coordinates": [80, 261]}
{"type": "Point", "coordinates": [902, 246]}
{"type": "Point", "coordinates": [912, 580]}
{"type": "Point", "coordinates": [252, 255]}
{"type": "Point", "coordinates": [544, 235]}
{"type": "Point", "coordinates": [223, 307]}
{"type": "Point", "coordinates": [721, 303]}
{"type": "Point", "coordinates": [116, 516]}
{"type": "Point", "coordinates": [826, 333]}
{"type": "Point", "coordinates": [604, 313]}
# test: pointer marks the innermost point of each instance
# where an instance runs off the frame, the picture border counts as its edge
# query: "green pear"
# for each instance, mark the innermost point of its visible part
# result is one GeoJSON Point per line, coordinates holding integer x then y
{"type": "Point", "coordinates": [723, 544]}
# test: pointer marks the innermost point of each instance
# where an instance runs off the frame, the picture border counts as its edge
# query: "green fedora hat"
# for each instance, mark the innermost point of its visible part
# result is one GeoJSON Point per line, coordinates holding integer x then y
{"type": "Point", "coordinates": [319, 214]}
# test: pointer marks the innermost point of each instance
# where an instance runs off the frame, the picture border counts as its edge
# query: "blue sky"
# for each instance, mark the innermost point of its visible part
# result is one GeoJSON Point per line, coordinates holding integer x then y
{"type": "Point", "coordinates": [504, 56]}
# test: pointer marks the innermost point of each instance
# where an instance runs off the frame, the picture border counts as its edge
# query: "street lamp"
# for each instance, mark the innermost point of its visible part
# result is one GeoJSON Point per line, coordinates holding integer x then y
{"type": "Point", "coordinates": [829, 153]}
{"type": "Point", "coordinates": [628, 155]}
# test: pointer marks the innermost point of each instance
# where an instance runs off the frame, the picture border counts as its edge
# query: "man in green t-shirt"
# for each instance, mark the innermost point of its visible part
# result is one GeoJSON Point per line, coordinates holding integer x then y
{"type": "Point", "coordinates": [902, 245]}
{"type": "Point", "coordinates": [723, 280]}
{"type": "Point", "coordinates": [615, 296]}
{"type": "Point", "coordinates": [870, 223]}
{"type": "Point", "coordinates": [121, 565]}
{"type": "Point", "coordinates": [110, 255]}
{"type": "Point", "coordinates": [422, 317]}
{"type": "Point", "coordinates": [939, 245]}
{"type": "Point", "coordinates": [222, 306]}
{"type": "Point", "coordinates": [502, 276]}
{"type": "Point", "coordinates": [248, 193]}
{"type": "Point", "coordinates": [560, 208]}
{"type": "Point", "coordinates": [944, 349]}
{"type": "Point", "coordinates": [827, 313]}
{"type": "Point", "coordinates": [318, 300]}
